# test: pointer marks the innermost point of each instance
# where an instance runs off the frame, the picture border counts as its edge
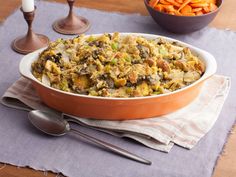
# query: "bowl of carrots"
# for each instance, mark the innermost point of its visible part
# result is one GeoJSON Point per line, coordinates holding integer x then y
{"type": "Point", "coordinates": [183, 16]}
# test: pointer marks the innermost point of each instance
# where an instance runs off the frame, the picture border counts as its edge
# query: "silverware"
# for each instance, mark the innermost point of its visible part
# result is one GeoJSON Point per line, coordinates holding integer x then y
{"type": "Point", "coordinates": [54, 125]}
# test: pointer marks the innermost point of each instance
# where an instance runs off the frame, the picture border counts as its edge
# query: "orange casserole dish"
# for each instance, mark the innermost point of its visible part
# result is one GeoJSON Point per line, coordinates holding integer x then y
{"type": "Point", "coordinates": [111, 108]}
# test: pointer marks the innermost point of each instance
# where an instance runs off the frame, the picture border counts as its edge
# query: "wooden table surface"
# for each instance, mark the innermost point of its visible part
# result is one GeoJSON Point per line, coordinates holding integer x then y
{"type": "Point", "coordinates": [226, 164]}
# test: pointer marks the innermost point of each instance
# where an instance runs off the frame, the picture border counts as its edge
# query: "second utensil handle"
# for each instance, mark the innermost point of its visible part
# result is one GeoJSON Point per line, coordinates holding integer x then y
{"type": "Point", "coordinates": [113, 148]}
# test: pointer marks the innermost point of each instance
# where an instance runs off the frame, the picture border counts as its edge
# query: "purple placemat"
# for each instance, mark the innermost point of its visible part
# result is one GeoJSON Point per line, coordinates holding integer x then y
{"type": "Point", "coordinates": [22, 145]}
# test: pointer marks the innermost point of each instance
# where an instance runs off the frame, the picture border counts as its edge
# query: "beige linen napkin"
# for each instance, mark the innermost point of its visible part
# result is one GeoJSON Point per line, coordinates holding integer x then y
{"type": "Point", "coordinates": [184, 127]}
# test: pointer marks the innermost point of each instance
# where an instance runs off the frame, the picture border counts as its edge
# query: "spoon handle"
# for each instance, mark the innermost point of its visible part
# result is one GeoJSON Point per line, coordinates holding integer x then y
{"type": "Point", "coordinates": [113, 148]}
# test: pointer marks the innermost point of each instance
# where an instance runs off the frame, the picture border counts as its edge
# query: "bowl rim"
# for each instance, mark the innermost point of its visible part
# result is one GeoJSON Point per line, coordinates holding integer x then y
{"type": "Point", "coordinates": [208, 59]}
{"type": "Point", "coordinates": [215, 11]}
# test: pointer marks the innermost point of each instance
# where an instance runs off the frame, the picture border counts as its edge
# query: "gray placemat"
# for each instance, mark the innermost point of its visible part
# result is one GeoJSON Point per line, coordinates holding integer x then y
{"type": "Point", "coordinates": [22, 145]}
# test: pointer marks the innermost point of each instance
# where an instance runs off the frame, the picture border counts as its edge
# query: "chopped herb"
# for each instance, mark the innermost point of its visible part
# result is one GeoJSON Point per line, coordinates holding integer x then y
{"type": "Point", "coordinates": [128, 59]}
{"type": "Point", "coordinates": [114, 46]}
{"type": "Point", "coordinates": [114, 61]}
{"type": "Point", "coordinates": [163, 51]}
{"type": "Point", "coordinates": [90, 39]}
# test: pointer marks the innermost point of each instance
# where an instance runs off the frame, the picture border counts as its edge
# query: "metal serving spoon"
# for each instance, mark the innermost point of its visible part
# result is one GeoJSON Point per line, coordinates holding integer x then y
{"type": "Point", "coordinates": [54, 125]}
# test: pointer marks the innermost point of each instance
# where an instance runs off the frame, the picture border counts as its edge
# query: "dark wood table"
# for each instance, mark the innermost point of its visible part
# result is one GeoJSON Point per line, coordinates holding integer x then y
{"type": "Point", "coordinates": [226, 19]}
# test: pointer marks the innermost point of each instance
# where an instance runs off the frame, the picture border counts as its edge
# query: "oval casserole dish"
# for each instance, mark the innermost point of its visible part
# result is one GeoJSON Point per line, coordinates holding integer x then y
{"type": "Point", "coordinates": [109, 108]}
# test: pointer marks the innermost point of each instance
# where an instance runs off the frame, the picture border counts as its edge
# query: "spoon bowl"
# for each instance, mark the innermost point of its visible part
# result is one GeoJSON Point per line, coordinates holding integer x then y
{"type": "Point", "coordinates": [49, 123]}
{"type": "Point", "coordinates": [53, 124]}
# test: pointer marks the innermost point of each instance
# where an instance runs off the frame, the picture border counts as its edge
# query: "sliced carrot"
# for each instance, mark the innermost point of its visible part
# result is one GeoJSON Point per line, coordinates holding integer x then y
{"type": "Point", "coordinates": [153, 3]}
{"type": "Point", "coordinates": [197, 9]}
{"type": "Point", "coordinates": [159, 7]}
{"type": "Point", "coordinates": [206, 9]}
{"type": "Point", "coordinates": [164, 2]}
{"type": "Point", "coordinates": [211, 1]}
{"type": "Point", "coordinates": [195, 1]}
{"type": "Point", "coordinates": [174, 3]}
{"type": "Point", "coordinates": [179, 1]}
{"type": "Point", "coordinates": [178, 13]}
{"type": "Point", "coordinates": [186, 9]}
{"type": "Point", "coordinates": [169, 8]}
{"type": "Point", "coordinates": [199, 5]}
{"type": "Point", "coordinates": [186, 2]}
{"type": "Point", "coordinates": [212, 7]}
{"type": "Point", "coordinates": [199, 13]}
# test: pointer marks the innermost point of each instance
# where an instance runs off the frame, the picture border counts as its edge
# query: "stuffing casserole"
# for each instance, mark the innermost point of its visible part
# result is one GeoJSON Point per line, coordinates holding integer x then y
{"type": "Point", "coordinates": [111, 65]}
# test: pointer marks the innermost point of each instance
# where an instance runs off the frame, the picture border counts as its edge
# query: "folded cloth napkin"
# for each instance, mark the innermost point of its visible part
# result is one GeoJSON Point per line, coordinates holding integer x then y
{"type": "Point", "coordinates": [184, 127]}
